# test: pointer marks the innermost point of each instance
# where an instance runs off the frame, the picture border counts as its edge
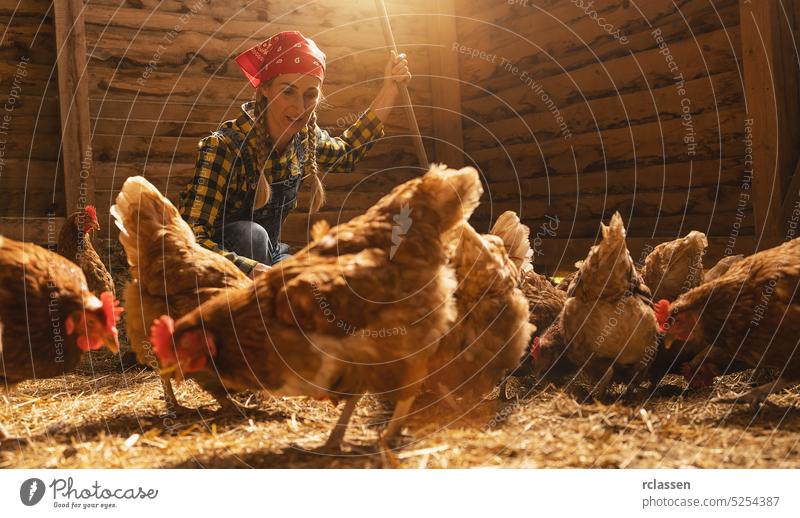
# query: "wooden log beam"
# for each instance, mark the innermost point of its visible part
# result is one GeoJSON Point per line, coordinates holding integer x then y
{"type": "Point", "coordinates": [763, 32]}
{"type": "Point", "coordinates": [73, 93]}
{"type": "Point", "coordinates": [43, 231]}
{"type": "Point", "coordinates": [445, 85]}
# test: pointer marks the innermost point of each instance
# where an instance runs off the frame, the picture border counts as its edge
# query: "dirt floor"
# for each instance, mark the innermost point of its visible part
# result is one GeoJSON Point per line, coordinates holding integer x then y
{"type": "Point", "coordinates": [114, 419]}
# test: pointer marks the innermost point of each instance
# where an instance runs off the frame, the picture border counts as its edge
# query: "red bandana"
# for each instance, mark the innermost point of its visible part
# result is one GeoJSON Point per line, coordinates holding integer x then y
{"type": "Point", "coordinates": [287, 52]}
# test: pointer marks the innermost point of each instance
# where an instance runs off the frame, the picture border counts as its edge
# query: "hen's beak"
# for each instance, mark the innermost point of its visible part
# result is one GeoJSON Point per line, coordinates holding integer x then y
{"type": "Point", "coordinates": [111, 340]}
{"type": "Point", "coordinates": [668, 341]}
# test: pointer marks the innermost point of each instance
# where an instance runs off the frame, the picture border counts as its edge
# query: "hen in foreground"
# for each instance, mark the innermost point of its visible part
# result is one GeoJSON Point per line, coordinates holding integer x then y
{"type": "Point", "coordinates": [750, 314]}
{"type": "Point", "coordinates": [360, 309]}
{"type": "Point", "coordinates": [49, 317]}
{"type": "Point", "coordinates": [171, 273]}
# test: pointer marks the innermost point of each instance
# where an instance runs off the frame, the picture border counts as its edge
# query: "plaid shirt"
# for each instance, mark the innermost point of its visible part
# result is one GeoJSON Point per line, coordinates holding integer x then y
{"type": "Point", "coordinates": [219, 188]}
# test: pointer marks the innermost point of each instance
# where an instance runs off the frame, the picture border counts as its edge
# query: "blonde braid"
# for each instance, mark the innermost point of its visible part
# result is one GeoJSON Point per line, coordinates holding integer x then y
{"type": "Point", "coordinates": [263, 190]}
{"type": "Point", "coordinates": [310, 168]}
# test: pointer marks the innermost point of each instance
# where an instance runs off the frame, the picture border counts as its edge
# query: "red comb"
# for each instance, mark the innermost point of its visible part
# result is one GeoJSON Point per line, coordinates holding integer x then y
{"type": "Point", "coordinates": [112, 309]}
{"type": "Point", "coordinates": [536, 349]}
{"type": "Point", "coordinates": [161, 337]}
{"type": "Point", "coordinates": [92, 212]}
{"type": "Point", "coordinates": [662, 314]}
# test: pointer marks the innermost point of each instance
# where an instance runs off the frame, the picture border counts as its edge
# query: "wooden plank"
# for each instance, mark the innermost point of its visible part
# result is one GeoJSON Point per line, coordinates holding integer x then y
{"type": "Point", "coordinates": [176, 87]}
{"type": "Point", "coordinates": [29, 36]}
{"type": "Point", "coordinates": [41, 8]}
{"type": "Point", "coordinates": [333, 120]}
{"type": "Point", "coordinates": [301, 16]}
{"type": "Point", "coordinates": [709, 54]}
{"type": "Point", "coordinates": [445, 86]}
{"type": "Point", "coordinates": [337, 35]}
{"type": "Point", "coordinates": [566, 38]}
{"type": "Point", "coordinates": [648, 144]}
{"type": "Point", "coordinates": [43, 231]}
{"type": "Point", "coordinates": [707, 94]}
{"type": "Point", "coordinates": [28, 145]}
{"type": "Point", "coordinates": [134, 148]}
{"type": "Point", "coordinates": [210, 55]}
{"type": "Point", "coordinates": [31, 188]}
{"type": "Point", "coordinates": [761, 55]}
{"type": "Point", "coordinates": [656, 178]}
{"type": "Point", "coordinates": [73, 91]}
{"type": "Point", "coordinates": [675, 202]}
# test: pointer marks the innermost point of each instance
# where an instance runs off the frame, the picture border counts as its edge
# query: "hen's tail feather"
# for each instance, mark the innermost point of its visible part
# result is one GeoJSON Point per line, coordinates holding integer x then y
{"type": "Point", "coordinates": [457, 193]}
{"type": "Point", "coordinates": [698, 239]}
{"type": "Point", "coordinates": [319, 229]}
{"type": "Point", "coordinates": [140, 211]}
{"type": "Point", "coordinates": [516, 239]}
{"type": "Point", "coordinates": [608, 269]}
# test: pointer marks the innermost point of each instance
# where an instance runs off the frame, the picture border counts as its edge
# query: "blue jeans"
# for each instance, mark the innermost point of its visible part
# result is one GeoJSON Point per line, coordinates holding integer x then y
{"type": "Point", "coordinates": [249, 239]}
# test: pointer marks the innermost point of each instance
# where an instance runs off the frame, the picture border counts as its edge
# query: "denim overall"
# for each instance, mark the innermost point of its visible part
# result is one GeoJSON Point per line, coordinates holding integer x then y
{"type": "Point", "coordinates": [241, 238]}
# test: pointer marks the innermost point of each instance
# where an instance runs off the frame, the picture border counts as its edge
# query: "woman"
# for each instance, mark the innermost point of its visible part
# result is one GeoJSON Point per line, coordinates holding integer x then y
{"type": "Point", "coordinates": [249, 170]}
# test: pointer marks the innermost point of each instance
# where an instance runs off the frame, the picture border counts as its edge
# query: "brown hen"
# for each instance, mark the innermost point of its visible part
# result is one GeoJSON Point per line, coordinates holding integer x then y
{"type": "Point", "coordinates": [360, 309]}
{"type": "Point", "coordinates": [171, 273]}
{"type": "Point", "coordinates": [75, 243]}
{"type": "Point", "coordinates": [675, 267]}
{"type": "Point", "coordinates": [49, 317]}
{"type": "Point", "coordinates": [750, 314]}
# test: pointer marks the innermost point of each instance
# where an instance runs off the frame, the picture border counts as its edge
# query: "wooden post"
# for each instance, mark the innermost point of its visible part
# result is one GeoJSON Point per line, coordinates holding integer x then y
{"type": "Point", "coordinates": [764, 33]}
{"type": "Point", "coordinates": [73, 98]}
{"type": "Point", "coordinates": [791, 199]}
{"type": "Point", "coordinates": [445, 85]}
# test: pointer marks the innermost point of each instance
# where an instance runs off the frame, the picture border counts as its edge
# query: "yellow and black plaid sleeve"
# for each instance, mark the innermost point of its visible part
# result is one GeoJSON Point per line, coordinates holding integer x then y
{"type": "Point", "coordinates": [340, 154]}
{"type": "Point", "coordinates": [204, 198]}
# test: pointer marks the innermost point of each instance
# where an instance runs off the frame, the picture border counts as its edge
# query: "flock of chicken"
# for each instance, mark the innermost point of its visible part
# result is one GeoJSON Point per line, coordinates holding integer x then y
{"type": "Point", "coordinates": [402, 301]}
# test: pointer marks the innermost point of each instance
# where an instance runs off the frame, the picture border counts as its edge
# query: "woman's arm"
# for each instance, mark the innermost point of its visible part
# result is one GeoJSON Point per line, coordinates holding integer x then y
{"type": "Point", "coordinates": [203, 200]}
{"type": "Point", "coordinates": [340, 154]}
{"type": "Point", "coordinates": [395, 75]}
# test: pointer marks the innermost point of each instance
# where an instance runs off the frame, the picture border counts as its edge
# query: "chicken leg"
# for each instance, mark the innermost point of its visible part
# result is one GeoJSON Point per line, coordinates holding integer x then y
{"type": "Point", "coordinates": [401, 411]}
{"type": "Point", "coordinates": [171, 401]}
{"type": "Point", "coordinates": [336, 438]}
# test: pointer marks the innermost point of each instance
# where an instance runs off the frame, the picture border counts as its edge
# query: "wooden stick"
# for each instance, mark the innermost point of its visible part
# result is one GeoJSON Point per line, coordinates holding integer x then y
{"type": "Point", "coordinates": [422, 156]}
{"type": "Point", "coordinates": [73, 97]}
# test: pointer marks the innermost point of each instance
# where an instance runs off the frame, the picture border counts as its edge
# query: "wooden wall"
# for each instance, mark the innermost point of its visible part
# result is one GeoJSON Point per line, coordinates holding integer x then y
{"type": "Point", "coordinates": [618, 140]}
{"type": "Point", "coordinates": [155, 91]}
{"type": "Point", "coordinates": [31, 181]}
{"type": "Point", "coordinates": [565, 117]}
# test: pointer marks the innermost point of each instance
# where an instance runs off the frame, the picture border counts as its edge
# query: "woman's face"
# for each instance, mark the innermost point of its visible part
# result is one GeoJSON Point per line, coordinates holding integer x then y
{"type": "Point", "coordinates": [292, 99]}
